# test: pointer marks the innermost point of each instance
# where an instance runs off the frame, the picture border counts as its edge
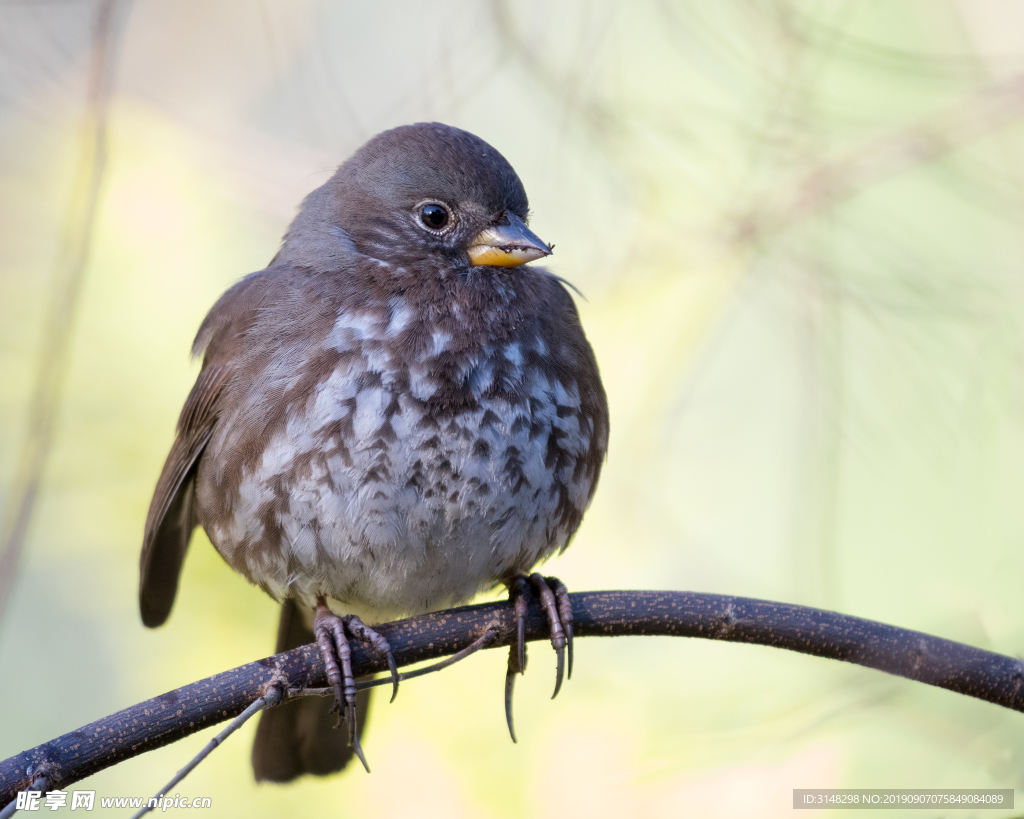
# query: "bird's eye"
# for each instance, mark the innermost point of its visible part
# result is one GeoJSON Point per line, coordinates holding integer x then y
{"type": "Point", "coordinates": [434, 217]}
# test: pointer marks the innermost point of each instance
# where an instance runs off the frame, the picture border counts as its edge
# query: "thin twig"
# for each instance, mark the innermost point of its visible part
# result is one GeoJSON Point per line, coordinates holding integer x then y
{"type": "Point", "coordinates": [269, 700]}
{"type": "Point", "coordinates": [274, 697]}
{"type": "Point", "coordinates": [484, 641]}
{"type": "Point", "coordinates": [40, 784]}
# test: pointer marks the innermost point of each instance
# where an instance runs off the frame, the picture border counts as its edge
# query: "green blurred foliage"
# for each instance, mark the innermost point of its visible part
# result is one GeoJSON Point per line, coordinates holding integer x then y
{"type": "Point", "coordinates": [798, 229]}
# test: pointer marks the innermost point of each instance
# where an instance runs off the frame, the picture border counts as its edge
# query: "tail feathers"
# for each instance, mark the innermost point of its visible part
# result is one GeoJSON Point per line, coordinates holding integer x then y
{"type": "Point", "coordinates": [299, 737]}
{"type": "Point", "coordinates": [164, 554]}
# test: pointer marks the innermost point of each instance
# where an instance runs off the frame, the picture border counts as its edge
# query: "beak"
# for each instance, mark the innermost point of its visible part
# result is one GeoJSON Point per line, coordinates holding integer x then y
{"type": "Point", "coordinates": [507, 245]}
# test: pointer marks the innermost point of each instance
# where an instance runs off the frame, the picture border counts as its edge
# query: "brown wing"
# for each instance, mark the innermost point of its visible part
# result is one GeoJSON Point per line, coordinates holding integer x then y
{"type": "Point", "coordinates": [171, 517]}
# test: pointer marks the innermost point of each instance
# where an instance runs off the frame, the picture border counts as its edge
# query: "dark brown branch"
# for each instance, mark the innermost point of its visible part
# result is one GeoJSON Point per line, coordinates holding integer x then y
{"type": "Point", "coordinates": [176, 714]}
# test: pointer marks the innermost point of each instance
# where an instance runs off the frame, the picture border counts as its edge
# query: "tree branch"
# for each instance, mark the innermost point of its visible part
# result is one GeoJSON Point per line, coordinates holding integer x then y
{"type": "Point", "coordinates": [179, 713]}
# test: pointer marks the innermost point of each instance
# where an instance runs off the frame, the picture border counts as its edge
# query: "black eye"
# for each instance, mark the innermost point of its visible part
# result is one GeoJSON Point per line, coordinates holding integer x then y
{"type": "Point", "coordinates": [434, 216]}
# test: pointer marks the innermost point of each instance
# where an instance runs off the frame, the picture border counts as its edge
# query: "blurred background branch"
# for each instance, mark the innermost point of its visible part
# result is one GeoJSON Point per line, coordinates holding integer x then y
{"type": "Point", "coordinates": [821, 188]}
{"type": "Point", "coordinates": [76, 240]}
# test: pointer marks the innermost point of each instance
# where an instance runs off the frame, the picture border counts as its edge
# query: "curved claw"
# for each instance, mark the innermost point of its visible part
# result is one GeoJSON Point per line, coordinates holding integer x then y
{"type": "Point", "coordinates": [353, 735]}
{"type": "Point", "coordinates": [510, 685]}
{"type": "Point", "coordinates": [393, 666]}
{"type": "Point", "coordinates": [554, 600]}
{"type": "Point", "coordinates": [564, 614]}
{"type": "Point", "coordinates": [550, 606]}
{"type": "Point", "coordinates": [560, 670]}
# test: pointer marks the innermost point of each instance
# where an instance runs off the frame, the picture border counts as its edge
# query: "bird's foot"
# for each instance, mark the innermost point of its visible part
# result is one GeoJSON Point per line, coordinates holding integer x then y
{"type": "Point", "coordinates": [330, 631]}
{"type": "Point", "coordinates": [554, 599]}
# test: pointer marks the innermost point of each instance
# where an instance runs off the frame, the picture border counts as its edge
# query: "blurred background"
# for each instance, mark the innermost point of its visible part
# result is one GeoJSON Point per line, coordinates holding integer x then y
{"type": "Point", "coordinates": [799, 228]}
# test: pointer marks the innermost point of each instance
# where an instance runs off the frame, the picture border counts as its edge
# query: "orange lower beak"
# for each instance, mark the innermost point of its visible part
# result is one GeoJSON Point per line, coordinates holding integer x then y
{"type": "Point", "coordinates": [507, 245]}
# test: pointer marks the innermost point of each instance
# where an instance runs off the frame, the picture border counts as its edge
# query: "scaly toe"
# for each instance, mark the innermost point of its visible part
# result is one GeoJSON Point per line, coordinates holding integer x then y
{"type": "Point", "coordinates": [363, 632]}
{"type": "Point", "coordinates": [550, 606]}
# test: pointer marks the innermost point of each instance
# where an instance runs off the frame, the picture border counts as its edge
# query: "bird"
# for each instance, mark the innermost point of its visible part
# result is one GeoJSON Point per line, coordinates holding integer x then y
{"type": "Point", "coordinates": [397, 413]}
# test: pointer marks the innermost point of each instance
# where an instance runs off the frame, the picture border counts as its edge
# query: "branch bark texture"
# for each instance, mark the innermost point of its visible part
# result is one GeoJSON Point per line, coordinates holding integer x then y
{"type": "Point", "coordinates": [179, 713]}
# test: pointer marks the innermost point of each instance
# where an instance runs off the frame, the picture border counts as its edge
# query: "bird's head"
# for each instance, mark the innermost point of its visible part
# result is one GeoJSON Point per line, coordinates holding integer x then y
{"type": "Point", "coordinates": [425, 192]}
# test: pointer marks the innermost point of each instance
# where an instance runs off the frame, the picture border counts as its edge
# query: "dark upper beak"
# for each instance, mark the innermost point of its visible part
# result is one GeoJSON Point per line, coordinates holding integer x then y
{"type": "Point", "coordinates": [507, 245]}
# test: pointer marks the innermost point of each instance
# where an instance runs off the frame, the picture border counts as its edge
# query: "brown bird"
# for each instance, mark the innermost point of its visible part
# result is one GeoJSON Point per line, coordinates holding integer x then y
{"type": "Point", "coordinates": [394, 415]}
